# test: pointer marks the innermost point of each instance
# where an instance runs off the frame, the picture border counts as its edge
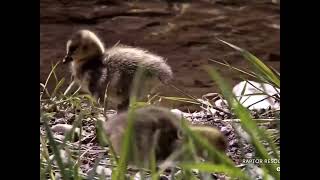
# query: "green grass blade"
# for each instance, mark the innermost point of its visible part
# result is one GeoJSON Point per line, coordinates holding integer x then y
{"type": "Point", "coordinates": [257, 63]}
{"type": "Point", "coordinates": [45, 155]}
{"type": "Point", "coordinates": [263, 90]}
{"type": "Point", "coordinates": [248, 124]}
{"type": "Point", "coordinates": [59, 84]}
{"type": "Point", "coordinates": [70, 134]}
{"type": "Point", "coordinates": [69, 88]}
{"type": "Point", "coordinates": [54, 74]}
{"type": "Point", "coordinates": [180, 99]}
{"type": "Point", "coordinates": [127, 147]}
{"type": "Point", "coordinates": [205, 144]}
{"type": "Point", "coordinates": [52, 142]}
{"type": "Point", "coordinates": [76, 175]}
{"type": "Point", "coordinates": [104, 140]}
{"type": "Point", "coordinates": [277, 73]}
{"type": "Point", "coordinates": [153, 164]}
{"type": "Point", "coordinates": [243, 91]}
{"type": "Point", "coordinates": [45, 90]}
{"type": "Point", "coordinates": [186, 174]}
{"type": "Point", "coordinates": [234, 68]}
{"type": "Point", "coordinates": [93, 173]}
{"type": "Point", "coordinates": [49, 76]}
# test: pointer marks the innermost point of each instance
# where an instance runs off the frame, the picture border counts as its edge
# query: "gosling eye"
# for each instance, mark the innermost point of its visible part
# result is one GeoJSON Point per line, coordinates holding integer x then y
{"type": "Point", "coordinates": [72, 49]}
{"type": "Point", "coordinates": [85, 47]}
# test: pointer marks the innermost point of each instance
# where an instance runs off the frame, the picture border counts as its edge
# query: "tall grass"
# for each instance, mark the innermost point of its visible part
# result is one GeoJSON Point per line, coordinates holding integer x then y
{"type": "Point", "coordinates": [257, 135]}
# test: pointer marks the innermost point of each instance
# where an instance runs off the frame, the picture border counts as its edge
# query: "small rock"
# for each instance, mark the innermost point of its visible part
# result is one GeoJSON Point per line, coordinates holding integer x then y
{"type": "Point", "coordinates": [162, 177]}
{"type": "Point", "coordinates": [221, 103]}
{"type": "Point", "coordinates": [233, 143]}
{"type": "Point", "coordinates": [60, 121]}
{"type": "Point", "coordinates": [86, 167]}
{"type": "Point", "coordinates": [226, 131]}
{"type": "Point", "coordinates": [256, 101]}
{"type": "Point", "coordinates": [59, 137]}
{"type": "Point", "coordinates": [70, 116]}
{"type": "Point", "coordinates": [248, 155]}
{"type": "Point", "coordinates": [64, 157]}
{"type": "Point", "coordinates": [212, 111]}
{"type": "Point", "coordinates": [137, 176]}
{"type": "Point", "coordinates": [102, 118]}
{"type": "Point", "coordinates": [103, 171]}
{"type": "Point", "coordinates": [64, 128]}
{"type": "Point", "coordinates": [178, 113]}
{"type": "Point", "coordinates": [58, 176]}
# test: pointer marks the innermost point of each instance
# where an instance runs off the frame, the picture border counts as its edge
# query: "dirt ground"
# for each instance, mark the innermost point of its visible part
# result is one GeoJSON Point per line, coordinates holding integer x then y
{"type": "Point", "coordinates": [187, 40]}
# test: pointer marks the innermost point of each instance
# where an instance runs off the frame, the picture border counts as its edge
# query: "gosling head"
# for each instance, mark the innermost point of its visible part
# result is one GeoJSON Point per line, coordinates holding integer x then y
{"type": "Point", "coordinates": [83, 45]}
{"type": "Point", "coordinates": [212, 135]}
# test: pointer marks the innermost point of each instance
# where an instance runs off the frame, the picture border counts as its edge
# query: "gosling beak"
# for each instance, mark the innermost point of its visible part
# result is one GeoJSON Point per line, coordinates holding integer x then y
{"type": "Point", "coordinates": [67, 59]}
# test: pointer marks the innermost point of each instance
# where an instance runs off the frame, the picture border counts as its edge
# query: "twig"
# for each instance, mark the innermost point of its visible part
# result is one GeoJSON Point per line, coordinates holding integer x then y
{"type": "Point", "coordinates": [270, 111]}
{"type": "Point", "coordinates": [260, 100]}
{"type": "Point", "coordinates": [258, 120]}
{"type": "Point", "coordinates": [190, 96]}
{"type": "Point", "coordinates": [69, 87]}
{"type": "Point", "coordinates": [105, 102]}
{"type": "Point", "coordinates": [228, 65]}
{"type": "Point", "coordinates": [263, 91]}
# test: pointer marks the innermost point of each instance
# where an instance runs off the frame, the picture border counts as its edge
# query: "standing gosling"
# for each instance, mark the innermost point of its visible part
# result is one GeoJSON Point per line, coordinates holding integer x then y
{"type": "Point", "coordinates": [94, 67]}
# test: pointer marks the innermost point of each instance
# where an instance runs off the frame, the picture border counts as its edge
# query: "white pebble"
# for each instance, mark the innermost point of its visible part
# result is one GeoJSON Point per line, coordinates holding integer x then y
{"type": "Point", "coordinates": [178, 113]}
{"type": "Point", "coordinates": [64, 128]}
{"type": "Point", "coordinates": [100, 170]}
{"type": "Point", "coordinates": [63, 155]}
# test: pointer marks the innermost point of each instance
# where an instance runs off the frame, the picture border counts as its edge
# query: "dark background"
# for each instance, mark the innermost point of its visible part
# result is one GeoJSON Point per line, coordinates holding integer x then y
{"type": "Point", "coordinates": [187, 40]}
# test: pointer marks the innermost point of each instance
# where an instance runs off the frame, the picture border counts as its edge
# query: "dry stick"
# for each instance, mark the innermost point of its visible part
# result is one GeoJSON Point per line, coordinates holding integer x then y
{"type": "Point", "coordinates": [225, 64]}
{"type": "Point", "coordinates": [270, 111]}
{"type": "Point", "coordinates": [240, 70]}
{"type": "Point", "coordinates": [276, 72]}
{"type": "Point", "coordinates": [273, 96]}
{"type": "Point", "coordinates": [228, 65]}
{"type": "Point", "coordinates": [81, 156]}
{"type": "Point", "coordinates": [213, 95]}
{"type": "Point", "coordinates": [45, 90]}
{"type": "Point", "coordinates": [105, 102]}
{"type": "Point", "coordinates": [69, 88]}
{"type": "Point", "coordinates": [190, 96]}
{"type": "Point", "coordinates": [258, 120]}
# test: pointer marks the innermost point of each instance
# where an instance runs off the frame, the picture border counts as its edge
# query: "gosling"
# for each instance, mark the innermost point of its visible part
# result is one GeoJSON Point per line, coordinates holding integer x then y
{"type": "Point", "coordinates": [95, 68]}
{"type": "Point", "coordinates": [159, 128]}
